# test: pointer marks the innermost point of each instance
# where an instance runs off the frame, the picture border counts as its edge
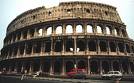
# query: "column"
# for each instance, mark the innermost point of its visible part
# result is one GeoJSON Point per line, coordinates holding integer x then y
{"type": "Point", "coordinates": [22, 68]}
{"type": "Point", "coordinates": [101, 71]}
{"type": "Point", "coordinates": [88, 71]}
{"type": "Point", "coordinates": [41, 65]}
{"type": "Point", "coordinates": [129, 68]}
{"type": "Point", "coordinates": [52, 67]}
{"type": "Point", "coordinates": [63, 67]}
{"type": "Point", "coordinates": [85, 28]}
{"type": "Point", "coordinates": [98, 46]}
{"type": "Point", "coordinates": [75, 47]}
{"type": "Point", "coordinates": [111, 66]}
{"type": "Point", "coordinates": [108, 47]}
{"type": "Point", "coordinates": [64, 29]}
{"type": "Point", "coordinates": [31, 68]}
{"type": "Point", "coordinates": [63, 45]}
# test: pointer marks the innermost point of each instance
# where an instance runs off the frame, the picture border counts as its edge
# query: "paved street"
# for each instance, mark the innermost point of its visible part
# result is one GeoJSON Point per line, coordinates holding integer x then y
{"type": "Point", "coordinates": [54, 80]}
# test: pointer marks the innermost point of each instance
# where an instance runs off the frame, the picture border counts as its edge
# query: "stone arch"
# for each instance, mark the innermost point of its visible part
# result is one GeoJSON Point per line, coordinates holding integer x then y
{"type": "Point", "coordinates": [81, 45]}
{"type": "Point", "coordinates": [49, 30]}
{"type": "Point", "coordinates": [58, 46]}
{"type": "Point", "coordinates": [121, 47]}
{"type": "Point", "coordinates": [108, 30]}
{"type": "Point", "coordinates": [103, 46]}
{"type": "Point", "coordinates": [69, 45]}
{"type": "Point", "coordinates": [57, 66]}
{"type": "Point", "coordinates": [81, 64]}
{"type": "Point", "coordinates": [79, 28]}
{"type": "Point", "coordinates": [117, 33]}
{"type": "Point", "coordinates": [125, 67]}
{"type": "Point", "coordinates": [123, 33]}
{"type": "Point", "coordinates": [132, 48]}
{"type": "Point", "coordinates": [69, 29]}
{"type": "Point", "coordinates": [99, 29]}
{"type": "Point", "coordinates": [46, 66]}
{"type": "Point", "coordinates": [112, 46]}
{"type": "Point", "coordinates": [31, 31]}
{"type": "Point", "coordinates": [116, 66]}
{"type": "Point", "coordinates": [89, 28]}
{"type": "Point", "coordinates": [105, 66]}
{"type": "Point", "coordinates": [40, 32]}
{"type": "Point", "coordinates": [132, 67]}
{"type": "Point", "coordinates": [59, 30]}
{"type": "Point", "coordinates": [92, 45]}
{"type": "Point", "coordinates": [127, 48]}
{"type": "Point", "coordinates": [94, 67]}
{"type": "Point", "coordinates": [69, 66]}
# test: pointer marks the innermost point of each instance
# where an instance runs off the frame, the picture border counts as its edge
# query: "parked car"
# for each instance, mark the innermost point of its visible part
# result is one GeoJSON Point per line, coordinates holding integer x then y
{"type": "Point", "coordinates": [77, 73]}
{"type": "Point", "coordinates": [112, 74]}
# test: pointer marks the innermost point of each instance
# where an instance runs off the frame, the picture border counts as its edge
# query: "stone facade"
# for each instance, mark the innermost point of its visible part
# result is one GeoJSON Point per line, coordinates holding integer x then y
{"type": "Point", "coordinates": [54, 40]}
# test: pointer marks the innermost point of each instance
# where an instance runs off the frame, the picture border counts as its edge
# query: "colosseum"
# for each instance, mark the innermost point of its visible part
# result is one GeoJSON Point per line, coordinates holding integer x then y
{"type": "Point", "coordinates": [54, 40]}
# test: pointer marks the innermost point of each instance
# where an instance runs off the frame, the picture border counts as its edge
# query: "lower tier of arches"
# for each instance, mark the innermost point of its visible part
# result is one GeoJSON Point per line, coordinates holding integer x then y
{"type": "Point", "coordinates": [62, 65]}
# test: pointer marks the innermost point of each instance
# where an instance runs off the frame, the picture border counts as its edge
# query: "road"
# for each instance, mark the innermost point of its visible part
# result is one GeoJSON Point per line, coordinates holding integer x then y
{"type": "Point", "coordinates": [55, 80]}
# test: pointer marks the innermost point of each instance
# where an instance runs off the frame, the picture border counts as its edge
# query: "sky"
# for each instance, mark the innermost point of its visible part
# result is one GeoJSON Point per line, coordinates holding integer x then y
{"type": "Point", "coordinates": [9, 9]}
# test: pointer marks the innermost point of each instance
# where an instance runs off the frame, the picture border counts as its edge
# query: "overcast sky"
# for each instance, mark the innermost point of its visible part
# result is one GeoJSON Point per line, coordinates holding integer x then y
{"type": "Point", "coordinates": [9, 9]}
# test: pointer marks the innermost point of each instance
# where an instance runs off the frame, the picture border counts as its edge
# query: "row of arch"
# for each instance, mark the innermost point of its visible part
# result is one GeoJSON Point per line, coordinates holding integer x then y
{"type": "Point", "coordinates": [59, 66]}
{"type": "Point", "coordinates": [65, 29]}
{"type": "Point", "coordinates": [67, 45]}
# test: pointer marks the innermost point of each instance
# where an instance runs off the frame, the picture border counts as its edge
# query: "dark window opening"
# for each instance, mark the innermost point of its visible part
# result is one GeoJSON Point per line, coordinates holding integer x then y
{"type": "Point", "coordinates": [57, 67]}
{"type": "Point", "coordinates": [46, 66]}
{"type": "Point", "coordinates": [36, 66]}
{"type": "Point", "coordinates": [121, 47]}
{"type": "Point", "coordinates": [19, 36]}
{"type": "Point", "coordinates": [112, 46]}
{"type": "Point", "coordinates": [22, 47]}
{"type": "Point", "coordinates": [37, 47]}
{"type": "Point", "coordinates": [69, 45]}
{"type": "Point", "coordinates": [58, 46]}
{"type": "Point", "coordinates": [92, 45]}
{"type": "Point", "coordinates": [31, 32]}
{"type": "Point", "coordinates": [15, 50]}
{"type": "Point", "coordinates": [48, 46]}
{"type": "Point", "coordinates": [105, 66]}
{"type": "Point", "coordinates": [80, 45]}
{"type": "Point", "coordinates": [127, 48]}
{"type": "Point", "coordinates": [25, 35]}
{"type": "Point", "coordinates": [103, 46]}
{"type": "Point", "coordinates": [14, 38]}
{"type": "Point", "coordinates": [132, 47]}
{"type": "Point", "coordinates": [69, 66]}
{"type": "Point", "coordinates": [94, 67]}
{"type": "Point", "coordinates": [29, 48]}
{"type": "Point", "coordinates": [123, 33]}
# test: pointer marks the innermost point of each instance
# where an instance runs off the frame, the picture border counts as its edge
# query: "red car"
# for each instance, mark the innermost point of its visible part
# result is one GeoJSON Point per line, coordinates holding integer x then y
{"type": "Point", "coordinates": [77, 73]}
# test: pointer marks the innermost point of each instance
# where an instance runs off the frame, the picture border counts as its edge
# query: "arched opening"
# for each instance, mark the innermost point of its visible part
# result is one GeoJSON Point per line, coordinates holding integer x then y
{"type": "Point", "coordinates": [69, 29]}
{"type": "Point", "coordinates": [57, 66]}
{"type": "Point", "coordinates": [121, 47]}
{"type": "Point", "coordinates": [31, 31]}
{"type": "Point", "coordinates": [123, 33]}
{"type": "Point", "coordinates": [58, 46]}
{"type": "Point", "coordinates": [36, 65]}
{"type": "Point", "coordinates": [79, 29]}
{"type": "Point", "coordinates": [94, 67]}
{"type": "Point", "coordinates": [49, 30]}
{"type": "Point", "coordinates": [132, 67]}
{"type": "Point", "coordinates": [105, 66]}
{"type": "Point", "coordinates": [103, 46]}
{"type": "Point", "coordinates": [125, 67]}
{"type": "Point", "coordinates": [24, 34]}
{"type": "Point", "coordinates": [69, 66]}
{"type": "Point", "coordinates": [112, 46]}
{"type": "Point", "coordinates": [81, 64]}
{"type": "Point", "coordinates": [116, 66]}
{"type": "Point", "coordinates": [116, 32]}
{"type": "Point", "coordinates": [80, 45]}
{"type": "Point", "coordinates": [59, 30]}
{"type": "Point", "coordinates": [132, 47]}
{"type": "Point", "coordinates": [108, 31]}
{"type": "Point", "coordinates": [22, 47]}
{"type": "Point", "coordinates": [19, 66]}
{"type": "Point", "coordinates": [69, 45]}
{"type": "Point", "coordinates": [48, 46]}
{"type": "Point", "coordinates": [92, 45]}
{"type": "Point", "coordinates": [46, 66]}
{"type": "Point", "coordinates": [18, 36]}
{"type": "Point", "coordinates": [99, 29]}
{"type": "Point", "coordinates": [27, 66]}
{"type": "Point", "coordinates": [29, 48]}
{"type": "Point", "coordinates": [127, 48]}
{"type": "Point", "coordinates": [89, 29]}
{"type": "Point", "coordinates": [40, 32]}
{"type": "Point", "coordinates": [37, 47]}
